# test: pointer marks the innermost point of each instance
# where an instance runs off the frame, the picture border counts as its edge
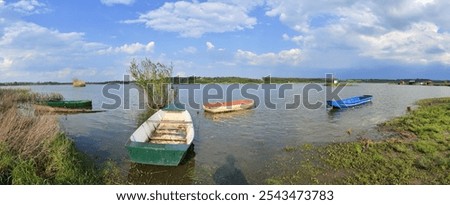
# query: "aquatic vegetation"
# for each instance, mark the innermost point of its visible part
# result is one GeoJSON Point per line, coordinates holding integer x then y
{"type": "Point", "coordinates": [14, 97]}
{"type": "Point", "coordinates": [78, 83]}
{"type": "Point", "coordinates": [154, 78]}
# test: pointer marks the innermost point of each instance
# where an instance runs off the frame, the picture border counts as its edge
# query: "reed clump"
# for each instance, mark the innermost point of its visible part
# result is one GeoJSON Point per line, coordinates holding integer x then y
{"type": "Point", "coordinates": [26, 134]}
{"type": "Point", "coordinates": [13, 97]}
{"type": "Point", "coordinates": [78, 83]}
{"type": "Point", "coordinates": [154, 79]}
{"type": "Point", "coordinates": [32, 148]}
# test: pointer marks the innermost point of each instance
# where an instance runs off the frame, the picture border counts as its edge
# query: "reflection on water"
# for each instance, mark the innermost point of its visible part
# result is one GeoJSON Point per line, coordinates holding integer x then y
{"type": "Point", "coordinates": [336, 114]}
{"type": "Point", "coordinates": [150, 174]}
{"type": "Point", "coordinates": [227, 115]}
{"type": "Point", "coordinates": [228, 174]}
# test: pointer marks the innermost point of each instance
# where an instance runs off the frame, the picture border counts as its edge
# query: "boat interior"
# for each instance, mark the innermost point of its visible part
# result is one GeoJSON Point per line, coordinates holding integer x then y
{"type": "Point", "coordinates": [170, 130]}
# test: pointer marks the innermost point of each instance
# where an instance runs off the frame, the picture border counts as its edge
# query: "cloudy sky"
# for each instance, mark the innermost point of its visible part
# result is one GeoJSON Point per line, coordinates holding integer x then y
{"type": "Point", "coordinates": [95, 40]}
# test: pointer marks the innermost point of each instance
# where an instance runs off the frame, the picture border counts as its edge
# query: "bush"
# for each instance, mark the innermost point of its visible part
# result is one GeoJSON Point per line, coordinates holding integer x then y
{"type": "Point", "coordinates": [154, 79]}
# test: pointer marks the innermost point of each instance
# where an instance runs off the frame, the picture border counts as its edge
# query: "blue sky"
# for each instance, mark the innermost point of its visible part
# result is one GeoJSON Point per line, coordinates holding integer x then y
{"type": "Point", "coordinates": [95, 40]}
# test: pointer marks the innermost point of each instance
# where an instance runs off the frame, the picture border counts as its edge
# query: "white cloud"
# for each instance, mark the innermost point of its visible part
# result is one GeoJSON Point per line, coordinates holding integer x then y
{"type": "Point", "coordinates": [193, 19]}
{"type": "Point", "coordinates": [181, 74]}
{"type": "Point", "coordinates": [66, 73]}
{"type": "Point", "coordinates": [27, 6]}
{"type": "Point", "coordinates": [130, 48]}
{"type": "Point", "coordinates": [113, 2]}
{"type": "Point", "coordinates": [29, 52]}
{"type": "Point", "coordinates": [412, 31]}
{"type": "Point", "coordinates": [245, 4]}
{"type": "Point", "coordinates": [421, 43]}
{"type": "Point", "coordinates": [209, 45]}
{"type": "Point", "coordinates": [19, 44]}
{"type": "Point", "coordinates": [285, 57]}
{"type": "Point", "coordinates": [5, 63]}
{"type": "Point", "coordinates": [190, 50]}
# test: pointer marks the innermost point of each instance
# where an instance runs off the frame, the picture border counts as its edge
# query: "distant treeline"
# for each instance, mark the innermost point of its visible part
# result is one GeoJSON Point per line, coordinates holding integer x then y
{"type": "Point", "coordinates": [58, 83]}
{"type": "Point", "coordinates": [209, 80]}
{"type": "Point", "coordinates": [278, 80]}
{"type": "Point", "coordinates": [417, 80]}
{"type": "Point", "coordinates": [229, 80]}
{"type": "Point", "coordinates": [34, 83]}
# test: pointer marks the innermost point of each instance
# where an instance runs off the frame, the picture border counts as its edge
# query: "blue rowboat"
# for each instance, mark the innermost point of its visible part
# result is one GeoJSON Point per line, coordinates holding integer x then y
{"type": "Point", "coordinates": [349, 102]}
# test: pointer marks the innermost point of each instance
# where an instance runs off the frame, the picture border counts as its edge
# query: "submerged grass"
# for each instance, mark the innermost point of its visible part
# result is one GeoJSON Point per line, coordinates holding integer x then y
{"type": "Point", "coordinates": [33, 151]}
{"type": "Point", "coordinates": [418, 154]}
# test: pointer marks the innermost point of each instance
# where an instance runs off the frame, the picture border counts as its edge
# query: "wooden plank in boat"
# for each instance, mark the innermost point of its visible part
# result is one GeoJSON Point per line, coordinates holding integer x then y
{"type": "Point", "coordinates": [166, 137]}
{"type": "Point", "coordinates": [170, 131]}
{"type": "Point", "coordinates": [171, 121]}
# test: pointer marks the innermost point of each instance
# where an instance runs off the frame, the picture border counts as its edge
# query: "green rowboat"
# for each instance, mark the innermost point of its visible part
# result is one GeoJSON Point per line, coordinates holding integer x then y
{"type": "Point", "coordinates": [70, 104]}
{"type": "Point", "coordinates": [163, 139]}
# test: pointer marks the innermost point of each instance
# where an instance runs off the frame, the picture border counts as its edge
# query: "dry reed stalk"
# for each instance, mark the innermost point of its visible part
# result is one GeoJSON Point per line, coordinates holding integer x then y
{"type": "Point", "coordinates": [78, 83]}
{"type": "Point", "coordinates": [27, 135]}
{"type": "Point", "coordinates": [23, 132]}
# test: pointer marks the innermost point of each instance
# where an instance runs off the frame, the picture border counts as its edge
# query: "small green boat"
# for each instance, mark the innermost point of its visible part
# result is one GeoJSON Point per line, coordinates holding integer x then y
{"type": "Point", "coordinates": [74, 104]}
{"type": "Point", "coordinates": [163, 139]}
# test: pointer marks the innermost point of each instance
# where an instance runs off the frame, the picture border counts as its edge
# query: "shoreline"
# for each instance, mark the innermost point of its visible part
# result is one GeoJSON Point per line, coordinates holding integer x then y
{"type": "Point", "coordinates": [415, 153]}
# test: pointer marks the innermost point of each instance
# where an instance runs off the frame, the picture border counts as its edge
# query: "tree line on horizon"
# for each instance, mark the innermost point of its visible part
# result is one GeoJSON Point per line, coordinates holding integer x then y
{"type": "Point", "coordinates": [234, 79]}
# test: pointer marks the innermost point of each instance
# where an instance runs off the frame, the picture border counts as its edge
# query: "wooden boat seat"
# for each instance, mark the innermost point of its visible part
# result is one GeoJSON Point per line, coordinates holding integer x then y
{"type": "Point", "coordinates": [171, 121]}
{"type": "Point", "coordinates": [170, 131]}
{"type": "Point", "coordinates": [169, 137]}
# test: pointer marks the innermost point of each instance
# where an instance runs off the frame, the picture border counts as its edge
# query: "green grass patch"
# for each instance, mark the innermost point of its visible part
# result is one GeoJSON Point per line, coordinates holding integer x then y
{"type": "Point", "coordinates": [62, 165]}
{"type": "Point", "coordinates": [26, 172]}
{"type": "Point", "coordinates": [6, 164]}
{"type": "Point", "coordinates": [67, 166]}
{"type": "Point", "coordinates": [289, 149]}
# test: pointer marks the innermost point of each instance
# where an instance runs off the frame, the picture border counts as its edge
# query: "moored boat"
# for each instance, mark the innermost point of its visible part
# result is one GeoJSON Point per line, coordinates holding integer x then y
{"type": "Point", "coordinates": [163, 139]}
{"type": "Point", "coordinates": [220, 107]}
{"type": "Point", "coordinates": [349, 102]}
{"type": "Point", "coordinates": [75, 104]}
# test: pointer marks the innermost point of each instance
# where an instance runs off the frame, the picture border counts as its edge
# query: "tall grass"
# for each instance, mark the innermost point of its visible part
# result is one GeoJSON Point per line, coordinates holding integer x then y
{"type": "Point", "coordinates": [28, 136]}
{"type": "Point", "coordinates": [15, 97]}
{"type": "Point", "coordinates": [24, 133]}
{"type": "Point", "coordinates": [154, 78]}
{"type": "Point", "coordinates": [34, 151]}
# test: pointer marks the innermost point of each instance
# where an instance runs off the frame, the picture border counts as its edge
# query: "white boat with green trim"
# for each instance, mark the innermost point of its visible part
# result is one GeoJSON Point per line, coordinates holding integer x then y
{"type": "Point", "coordinates": [163, 139]}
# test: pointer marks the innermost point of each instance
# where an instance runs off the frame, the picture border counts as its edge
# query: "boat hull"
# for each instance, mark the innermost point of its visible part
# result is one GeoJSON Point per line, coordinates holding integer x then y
{"type": "Point", "coordinates": [350, 102]}
{"type": "Point", "coordinates": [163, 139]}
{"type": "Point", "coordinates": [156, 154]}
{"type": "Point", "coordinates": [70, 104]}
{"type": "Point", "coordinates": [229, 106]}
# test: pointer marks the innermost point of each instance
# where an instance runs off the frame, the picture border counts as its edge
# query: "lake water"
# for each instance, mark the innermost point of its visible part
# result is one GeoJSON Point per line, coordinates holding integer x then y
{"type": "Point", "coordinates": [236, 148]}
